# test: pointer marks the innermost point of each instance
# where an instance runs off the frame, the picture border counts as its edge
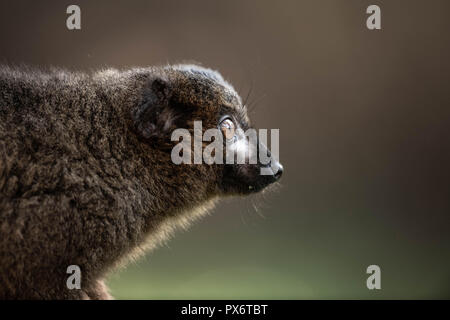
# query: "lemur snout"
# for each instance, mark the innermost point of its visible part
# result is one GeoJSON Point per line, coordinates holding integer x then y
{"type": "Point", "coordinates": [275, 166]}
{"type": "Point", "coordinates": [279, 170]}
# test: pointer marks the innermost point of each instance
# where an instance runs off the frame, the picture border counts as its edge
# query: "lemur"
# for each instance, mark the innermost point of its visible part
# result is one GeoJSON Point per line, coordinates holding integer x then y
{"type": "Point", "coordinates": [86, 176]}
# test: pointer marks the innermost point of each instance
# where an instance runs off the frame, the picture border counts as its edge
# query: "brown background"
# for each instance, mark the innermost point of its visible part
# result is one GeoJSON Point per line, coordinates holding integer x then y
{"type": "Point", "coordinates": [364, 137]}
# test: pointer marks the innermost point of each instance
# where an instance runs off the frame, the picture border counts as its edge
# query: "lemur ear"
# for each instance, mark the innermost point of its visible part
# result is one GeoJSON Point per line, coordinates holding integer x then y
{"type": "Point", "coordinates": [153, 116]}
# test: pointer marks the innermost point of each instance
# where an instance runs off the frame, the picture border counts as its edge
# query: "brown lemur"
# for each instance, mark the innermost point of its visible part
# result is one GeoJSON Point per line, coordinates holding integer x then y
{"type": "Point", "coordinates": [86, 176]}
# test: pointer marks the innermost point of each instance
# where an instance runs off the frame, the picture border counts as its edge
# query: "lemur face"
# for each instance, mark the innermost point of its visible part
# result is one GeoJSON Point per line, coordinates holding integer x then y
{"type": "Point", "coordinates": [185, 94]}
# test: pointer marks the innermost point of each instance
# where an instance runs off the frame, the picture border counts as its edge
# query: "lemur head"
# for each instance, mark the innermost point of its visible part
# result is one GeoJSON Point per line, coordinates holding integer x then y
{"type": "Point", "coordinates": [178, 96]}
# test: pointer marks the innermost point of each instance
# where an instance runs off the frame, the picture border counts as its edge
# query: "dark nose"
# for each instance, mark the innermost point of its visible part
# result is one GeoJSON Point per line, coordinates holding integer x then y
{"type": "Point", "coordinates": [277, 174]}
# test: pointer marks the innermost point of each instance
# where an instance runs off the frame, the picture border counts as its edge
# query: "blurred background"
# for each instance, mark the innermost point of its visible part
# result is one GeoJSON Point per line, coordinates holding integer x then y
{"type": "Point", "coordinates": [364, 120]}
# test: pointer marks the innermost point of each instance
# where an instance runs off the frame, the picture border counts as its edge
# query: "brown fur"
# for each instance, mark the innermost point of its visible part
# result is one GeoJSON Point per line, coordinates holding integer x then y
{"type": "Point", "coordinates": [85, 172]}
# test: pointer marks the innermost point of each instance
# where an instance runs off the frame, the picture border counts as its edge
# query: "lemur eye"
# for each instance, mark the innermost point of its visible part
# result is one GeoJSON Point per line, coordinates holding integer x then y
{"type": "Point", "coordinates": [228, 128]}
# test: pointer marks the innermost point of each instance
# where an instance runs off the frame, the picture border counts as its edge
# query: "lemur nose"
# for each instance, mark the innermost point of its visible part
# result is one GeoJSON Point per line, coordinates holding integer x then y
{"type": "Point", "coordinates": [277, 175]}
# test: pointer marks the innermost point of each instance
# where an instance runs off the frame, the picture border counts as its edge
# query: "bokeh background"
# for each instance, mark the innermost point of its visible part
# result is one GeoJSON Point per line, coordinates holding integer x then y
{"type": "Point", "coordinates": [364, 121]}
